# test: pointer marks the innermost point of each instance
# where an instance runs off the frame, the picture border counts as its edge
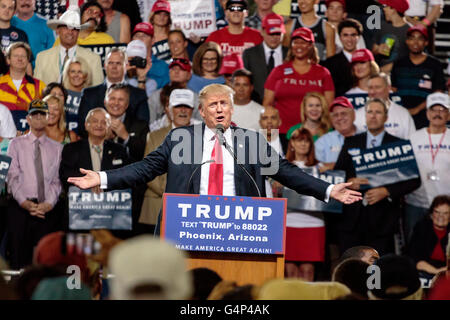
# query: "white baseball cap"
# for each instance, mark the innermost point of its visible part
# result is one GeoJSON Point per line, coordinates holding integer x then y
{"type": "Point", "coordinates": [181, 97]}
{"type": "Point", "coordinates": [438, 98]}
{"type": "Point", "coordinates": [137, 48]}
{"type": "Point", "coordinates": [146, 260]}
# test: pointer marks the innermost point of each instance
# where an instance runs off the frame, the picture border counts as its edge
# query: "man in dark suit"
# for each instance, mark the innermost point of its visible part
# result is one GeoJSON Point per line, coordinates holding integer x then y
{"type": "Point", "coordinates": [97, 153]}
{"type": "Point", "coordinates": [185, 148]}
{"type": "Point", "coordinates": [125, 128]}
{"type": "Point", "coordinates": [261, 59]}
{"type": "Point", "coordinates": [339, 65]}
{"type": "Point", "coordinates": [372, 222]}
{"type": "Point", "coordinates": [93, 97]}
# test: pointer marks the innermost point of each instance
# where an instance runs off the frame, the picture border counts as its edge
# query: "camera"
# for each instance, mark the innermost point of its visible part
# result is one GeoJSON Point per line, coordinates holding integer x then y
{"type": "Point", "coordinates": [138, 62]}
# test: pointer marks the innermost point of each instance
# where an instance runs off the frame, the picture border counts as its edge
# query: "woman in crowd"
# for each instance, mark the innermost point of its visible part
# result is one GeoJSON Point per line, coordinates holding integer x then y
{"type": "Point", "coordinates": [56, 89]}
{"type": "Point", "coordinates": [314, 116]}
{"type": "Point", "coordinates": [305, 232]}
{"type": "Point", "coordinates": [118, 23]}
{"type": "Point", "coordinates": [161, 21]}
{"type": "Point", "coordinates": [178, 44]}
{"type": "Point", "coordinates": [76, 77]}
{"type": "Point", "coordinates": [288, 83]}
{"type": "Point", "coordinates": [206, 65]}
{"type": "Point", "coordinates": [56, 126]}
{"type": "Point", "coordinates": [363, 67]}
{"type": "Point", "coordinates": [430, 237]}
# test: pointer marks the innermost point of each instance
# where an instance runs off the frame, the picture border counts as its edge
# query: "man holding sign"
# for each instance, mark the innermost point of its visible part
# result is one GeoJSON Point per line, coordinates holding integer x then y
{"type": "Point", "coordinates": [373, 221]}
{"type": "Point", "coordinates": [186, 150]}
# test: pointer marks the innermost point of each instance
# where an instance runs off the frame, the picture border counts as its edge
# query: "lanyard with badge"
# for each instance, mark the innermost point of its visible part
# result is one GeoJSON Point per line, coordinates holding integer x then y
{"type": "Point", "coordinates": [433, 175]}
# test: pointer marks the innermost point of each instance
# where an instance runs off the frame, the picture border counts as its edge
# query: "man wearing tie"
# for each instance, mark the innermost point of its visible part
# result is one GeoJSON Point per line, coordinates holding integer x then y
{"type": "Point", "coordinates": [374, 221]}
{"type": "Point", "coordinates": [185, 149]}
{"type": "Point", "coordinates": [270, 53]}
{"type": "Point", "coordinates": [34, 184]}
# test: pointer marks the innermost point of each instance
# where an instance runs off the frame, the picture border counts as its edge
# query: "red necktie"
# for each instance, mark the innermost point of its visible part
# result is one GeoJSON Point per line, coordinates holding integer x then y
{"type": "Point", "coordinates": [215, 183]}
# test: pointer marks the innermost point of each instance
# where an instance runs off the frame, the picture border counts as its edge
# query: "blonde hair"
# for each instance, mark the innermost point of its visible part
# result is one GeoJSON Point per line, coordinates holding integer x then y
{"type": "Point", "coordinates": [62, 112]}
{"type": "Point", "coordinates": [215, 88]}
{"type": "Point", "coordinates": [325, 123]}
{"type": "Point", "coordinates": [84, 69]}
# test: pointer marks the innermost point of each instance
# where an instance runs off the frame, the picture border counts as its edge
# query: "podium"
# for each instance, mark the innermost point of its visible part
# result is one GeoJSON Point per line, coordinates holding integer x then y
{"type": "Point", "coordinates": [241, 238]}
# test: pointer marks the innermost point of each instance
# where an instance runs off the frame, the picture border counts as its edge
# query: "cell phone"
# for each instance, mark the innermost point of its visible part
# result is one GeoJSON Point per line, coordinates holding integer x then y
{"type": "Point", "coordinates": [138, 62]}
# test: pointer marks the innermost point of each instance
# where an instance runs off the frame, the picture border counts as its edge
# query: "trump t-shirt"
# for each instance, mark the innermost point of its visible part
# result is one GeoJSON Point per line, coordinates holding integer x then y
{"type": "Point", "coordinates": [290, 87]}
{"type": "Point", "coordinates": [235, 43]}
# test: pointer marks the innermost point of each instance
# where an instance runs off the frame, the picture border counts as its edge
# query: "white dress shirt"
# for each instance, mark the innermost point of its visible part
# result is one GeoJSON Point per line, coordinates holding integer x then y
{"type": "Point", "coordinates": [277, 55]}
{"type": "Point", "coordinates": [229, 188]}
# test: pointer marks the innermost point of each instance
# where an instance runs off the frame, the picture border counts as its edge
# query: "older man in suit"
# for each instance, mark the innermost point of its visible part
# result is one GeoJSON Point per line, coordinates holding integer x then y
{"type": "Point", "coordinates": [126, 129]}
{"type": "Point", "coordinates": [185, 149]}
{"type": "Point", "coordinates": [374, 221]}
{"type": "Point", "coordinates": [92, 97]}
{"type": "Point", "coordinates": [50, 63]}
{"type": "Point", "coordinates": [261, 59]}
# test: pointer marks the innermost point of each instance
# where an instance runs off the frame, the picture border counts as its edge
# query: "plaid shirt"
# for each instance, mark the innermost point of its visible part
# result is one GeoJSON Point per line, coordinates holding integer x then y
{"type": "Point", "coordinates": [254, 21]}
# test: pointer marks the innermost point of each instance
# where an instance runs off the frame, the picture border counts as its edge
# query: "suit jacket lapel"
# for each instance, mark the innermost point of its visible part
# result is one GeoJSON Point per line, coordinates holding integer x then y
{"type": "Point", "coordinates": [262, 60]}
{"type": "Point", "coordinates": [106, 158]}
{"type": "Point", "coordinates": [237, 170]}
{"type": "Point", "coordinates": [85, 155]}
{"type": "Point", "coordinates": [197, 151]}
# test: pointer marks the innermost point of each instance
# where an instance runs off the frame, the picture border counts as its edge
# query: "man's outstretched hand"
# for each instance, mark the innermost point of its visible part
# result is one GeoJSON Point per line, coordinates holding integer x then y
{"type": "Point", "coordinates": [89, 180]}
{"type": "Point", "coordinates": [344, 195]}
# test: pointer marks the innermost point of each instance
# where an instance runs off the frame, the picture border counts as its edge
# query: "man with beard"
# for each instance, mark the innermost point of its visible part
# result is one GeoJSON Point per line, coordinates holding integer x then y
{"type": "Point", "coordinates": [431, 147]}
{"type": "Point", "coordinates": [93, 16]}
{"type": "Point", "coordinates": [35, 26]}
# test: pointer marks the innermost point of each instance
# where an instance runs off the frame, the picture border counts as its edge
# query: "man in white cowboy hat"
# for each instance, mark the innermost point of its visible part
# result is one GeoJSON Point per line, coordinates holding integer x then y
{"type": "Point", "coordinates": [50, 63]}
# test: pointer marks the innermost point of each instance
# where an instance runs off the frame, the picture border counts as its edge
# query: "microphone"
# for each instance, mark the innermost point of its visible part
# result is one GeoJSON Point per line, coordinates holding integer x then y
{"type": "Point", "coordinates": [220, 131]}
{"type": "Point", "coordinates": [192, 175]}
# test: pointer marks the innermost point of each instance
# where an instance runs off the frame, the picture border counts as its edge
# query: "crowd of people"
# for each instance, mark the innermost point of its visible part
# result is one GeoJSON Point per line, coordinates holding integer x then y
{"type": "Point", "coordinates": [317, 86]}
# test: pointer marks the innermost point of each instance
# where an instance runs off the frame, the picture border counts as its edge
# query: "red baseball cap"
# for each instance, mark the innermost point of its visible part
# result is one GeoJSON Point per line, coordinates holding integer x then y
{"type": "Point", "coordinates": [303, 33]}
{"type": "Point", "coordinates": [231, 63]}
{"type": "Point", "coordinates": [399, 5]}
{"type": "Point", "coordinates": [362, 55]}
{"type": "Point", "coordinates": [420, 28]}
{"type": "Point", "coordinates": [327, 2]}
{"type": "Point", "coordinates": [341, 102]}
{"type": "Point", "coordinates": [144, 27]}
{"type": "Point", "coordinates": [273, 23]}
{"type": "Point", "coordinates": [184, 64]}
{"type": "Point", "coordinates": [161, 5]}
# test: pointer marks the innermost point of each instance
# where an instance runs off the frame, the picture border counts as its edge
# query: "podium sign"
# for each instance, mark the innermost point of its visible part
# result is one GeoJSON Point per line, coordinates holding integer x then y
{"type": "Point", "coordinates": [224, 224]}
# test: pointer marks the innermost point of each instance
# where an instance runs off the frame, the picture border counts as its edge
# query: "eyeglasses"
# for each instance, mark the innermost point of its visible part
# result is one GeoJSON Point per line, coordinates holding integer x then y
{"type": "Point", "coordinates": [38, 115]}
{"type": "Point", "coordinates": [236, 8]}
{"type": "Point", "coordinates": [209, 59]}
{"type": "Point", "coordinates": [437, 109]}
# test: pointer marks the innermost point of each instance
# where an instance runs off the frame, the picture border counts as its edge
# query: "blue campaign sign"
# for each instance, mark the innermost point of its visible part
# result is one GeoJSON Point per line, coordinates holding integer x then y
{"type": "Point", "coordinates": [386, 164]}
{"type": "Point", "coordinates": [224, 224]}
{"type": "Point", "coordinates": [20, 119]}
{"type": "Point", "coordinates": [359, 99]}
{"type": "Point", "coordinates": [5, 162]}
{"type": "Point", "coordinates": [106, 210]}
{"type": "Point", "coordinates": [300, 203]}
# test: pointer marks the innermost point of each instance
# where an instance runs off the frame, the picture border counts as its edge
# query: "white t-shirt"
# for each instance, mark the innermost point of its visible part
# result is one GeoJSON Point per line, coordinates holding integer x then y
{"type": "Point", "coordinates": [247, 116]}
{"type": "Point", "coordinates": [399, 122]}
{"type": "Point", "coordinates": [7, 126]}
{"type": "Point", "coordinates": [419, 7]}
{"type": "Point", "coordinates": [356, 90]}
{"type": "Point", "coordinates": [423, 196]}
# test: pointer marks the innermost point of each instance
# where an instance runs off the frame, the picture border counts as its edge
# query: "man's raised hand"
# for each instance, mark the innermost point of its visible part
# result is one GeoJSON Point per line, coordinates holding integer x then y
{"type": "Point", "coordinates": [89, 180]}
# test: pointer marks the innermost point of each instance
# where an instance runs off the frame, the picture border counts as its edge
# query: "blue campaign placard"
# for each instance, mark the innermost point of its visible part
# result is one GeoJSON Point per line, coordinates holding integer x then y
{"type": "Point", "coordinates": [386, 164]}
{"type": "Point", "coordinates": [224, 224]}
{"type": "Point", "coordinates": [5, 162]}
{"type": "Point", "coordinates": [20, 119]}
{"type": "Point", "coordinates": [106, 210]}
{"type": "Point", "coordinates": [358, 100]}
{"type": "Point", "coordinates": [300, 203]}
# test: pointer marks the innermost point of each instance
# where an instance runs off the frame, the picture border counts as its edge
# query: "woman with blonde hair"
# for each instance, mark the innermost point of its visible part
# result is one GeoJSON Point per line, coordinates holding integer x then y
{"type": "Point", "coordinates": [363, 67]}
{"type": "Point", "coordinates": [56, 126]}
{"type": "Point", "coordinates": [314, 116]}
{"type": "Point", "coordinates": [205, 66]}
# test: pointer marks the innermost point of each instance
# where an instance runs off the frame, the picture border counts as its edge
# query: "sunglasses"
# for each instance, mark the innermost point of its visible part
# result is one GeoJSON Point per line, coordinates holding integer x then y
{"type": "Point", "coordinates": [182, 60]}
{"type": "Point", "coordinates": [236, 8]}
